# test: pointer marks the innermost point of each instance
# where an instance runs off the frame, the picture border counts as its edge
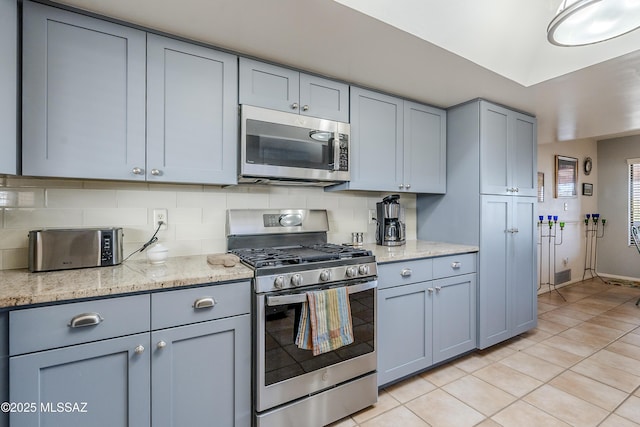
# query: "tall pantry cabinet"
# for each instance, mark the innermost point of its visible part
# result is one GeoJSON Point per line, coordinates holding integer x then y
{"type": "Point", "coordinates": [490, 202]}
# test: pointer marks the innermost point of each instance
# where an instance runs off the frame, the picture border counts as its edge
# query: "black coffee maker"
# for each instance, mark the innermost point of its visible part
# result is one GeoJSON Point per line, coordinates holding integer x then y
{"type": "Point", "coordinates": [390, 230]}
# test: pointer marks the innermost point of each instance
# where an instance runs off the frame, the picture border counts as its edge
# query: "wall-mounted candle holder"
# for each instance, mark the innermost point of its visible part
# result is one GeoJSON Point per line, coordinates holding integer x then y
{"type": "Point", "coordinates": [593, 232]}
{"type": "Point", "coordinates": [553, 240]}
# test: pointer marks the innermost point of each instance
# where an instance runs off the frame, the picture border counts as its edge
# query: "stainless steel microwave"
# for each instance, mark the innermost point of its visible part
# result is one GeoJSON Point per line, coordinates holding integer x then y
{"type": "Point", "coordinates": [281, 147]}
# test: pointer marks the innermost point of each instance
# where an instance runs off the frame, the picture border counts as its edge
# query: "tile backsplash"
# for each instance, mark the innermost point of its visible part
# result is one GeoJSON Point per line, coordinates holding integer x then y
{"type": "Point", "coordinates": [196, 213]}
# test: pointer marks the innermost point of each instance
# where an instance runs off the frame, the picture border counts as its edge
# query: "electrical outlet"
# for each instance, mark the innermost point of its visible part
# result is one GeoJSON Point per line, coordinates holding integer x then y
{"type": "Point", "coordinates": [372, 216]}
{"type": "Point", "coordinates": [160, 215]}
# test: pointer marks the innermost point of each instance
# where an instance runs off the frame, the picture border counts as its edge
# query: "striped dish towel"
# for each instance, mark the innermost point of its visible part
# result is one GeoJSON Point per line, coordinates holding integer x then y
{"type": "Point", "coordinates": [325, 321]}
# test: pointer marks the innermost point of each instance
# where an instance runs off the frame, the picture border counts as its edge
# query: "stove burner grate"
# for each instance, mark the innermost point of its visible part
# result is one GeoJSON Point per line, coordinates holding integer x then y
{"type": "Point", "coordinates": [269, 257]}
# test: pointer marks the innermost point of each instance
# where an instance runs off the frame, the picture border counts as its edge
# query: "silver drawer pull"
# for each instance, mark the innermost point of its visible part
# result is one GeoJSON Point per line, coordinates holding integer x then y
{"type": "Point", "coordinates": [85, 319]}
{"type": "Point", "coordinates": [456, 264]}
{"type": "Point", "coordinates": [139, 349]}
{"type": "Point", "coordinates": [206, 302]}
{"type": "Point", "coordinates": [406, 272]}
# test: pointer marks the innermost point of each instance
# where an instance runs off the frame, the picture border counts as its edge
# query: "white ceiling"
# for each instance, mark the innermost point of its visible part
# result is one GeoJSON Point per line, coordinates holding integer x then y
{"type": "Point", "coordinates": [438, 52]}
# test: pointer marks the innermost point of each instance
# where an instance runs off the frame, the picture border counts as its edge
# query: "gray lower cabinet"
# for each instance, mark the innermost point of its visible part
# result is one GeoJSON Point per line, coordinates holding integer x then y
{"type": "Point", "coordinates": [8, 86]}
{"type": "Point", "coordinates": [507, 298]}
{"type": "Point", "coordinates": [396, 145]}
{"type": "Point", "coordinates": [278, 88]}
{"type": "Point", "coordinates": [4, 365]}
{"type": "Point", "coordinates": [83, 96]}
{"type": "Point", "coordinates": [192, 113]}
{"type": "Point", "coordinates": [104, 383]}
{"type": "Point", "coordinates": [174, 358]}
{"type": "Point", "coordinates": [426, 313]}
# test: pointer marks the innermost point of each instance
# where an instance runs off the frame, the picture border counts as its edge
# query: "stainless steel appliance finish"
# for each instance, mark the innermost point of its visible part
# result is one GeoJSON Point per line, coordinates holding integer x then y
{"type": "Point", "coordinates": [291, 386]}
{"type": "Point", "coordinates": [62, 249]}
{"type": "Point", "coordinates": [285, 148]}
{"type": "Point", "coordinates": [390, 229]}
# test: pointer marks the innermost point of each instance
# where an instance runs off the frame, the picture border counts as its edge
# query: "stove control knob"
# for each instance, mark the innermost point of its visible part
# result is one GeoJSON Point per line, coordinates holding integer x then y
{"type": "Point", "coordinates": [352, 271]}
{"type": "Point", "coordinates": [279, 282]}
{"type": "Point", "coordinates": [296, 280]}
{"type": "Point", "coordinates": [363, 270]}
{"type": "Point", "coordinates": [325, 275]}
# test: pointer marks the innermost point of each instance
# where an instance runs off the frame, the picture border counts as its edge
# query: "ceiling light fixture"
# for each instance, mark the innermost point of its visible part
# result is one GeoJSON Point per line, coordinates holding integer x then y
{"type": "Point", "coordinates": [583, 22]}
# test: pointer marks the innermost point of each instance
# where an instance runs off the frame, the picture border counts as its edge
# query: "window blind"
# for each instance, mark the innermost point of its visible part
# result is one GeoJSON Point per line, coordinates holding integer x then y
{"type": "Point", "coordinates": [634, 195]}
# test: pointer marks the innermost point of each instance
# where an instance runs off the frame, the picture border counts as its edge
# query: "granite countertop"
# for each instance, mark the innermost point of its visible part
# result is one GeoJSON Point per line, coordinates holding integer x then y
{"type": "Point", "coordinates": [19, 287]}
{"type": "Point", "coordinates": [416, 249]}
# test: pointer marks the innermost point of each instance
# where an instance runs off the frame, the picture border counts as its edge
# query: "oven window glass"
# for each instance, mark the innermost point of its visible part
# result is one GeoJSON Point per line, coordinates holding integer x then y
{"type": "Point", "coordinates": [284, 360]}
{"type": "Point", "coordinates": [289, 146]}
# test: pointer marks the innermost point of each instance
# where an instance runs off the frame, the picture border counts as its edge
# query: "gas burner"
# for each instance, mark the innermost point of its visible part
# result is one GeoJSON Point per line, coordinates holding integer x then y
{"type": "Point", "coordinates": [271, 257]}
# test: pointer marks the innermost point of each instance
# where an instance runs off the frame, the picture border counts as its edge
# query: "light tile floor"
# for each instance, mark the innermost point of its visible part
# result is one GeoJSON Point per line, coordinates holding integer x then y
{"type": "Point", "coordinates": [580, 367]}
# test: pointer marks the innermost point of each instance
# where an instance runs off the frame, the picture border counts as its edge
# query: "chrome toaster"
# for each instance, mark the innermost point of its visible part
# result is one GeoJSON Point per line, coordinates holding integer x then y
{"type": "Point", "coordinates": [62, 249]}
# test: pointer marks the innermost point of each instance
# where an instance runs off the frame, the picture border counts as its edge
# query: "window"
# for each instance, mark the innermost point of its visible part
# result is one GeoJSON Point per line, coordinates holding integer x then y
{"type": "Point", "coordinates": [634, 194]}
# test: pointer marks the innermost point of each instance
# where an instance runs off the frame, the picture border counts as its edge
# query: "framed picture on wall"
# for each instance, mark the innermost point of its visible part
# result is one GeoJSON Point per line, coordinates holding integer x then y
{"type": "Point", "coordinates": [566, 176]}
{"type": "Point", "coordinates": [587, 189]}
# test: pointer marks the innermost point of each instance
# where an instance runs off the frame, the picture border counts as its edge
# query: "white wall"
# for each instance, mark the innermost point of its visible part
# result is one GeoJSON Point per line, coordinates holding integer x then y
{"type": "Point", "coordinates": [196, 213]}
{"type": "Point", "coordinates": [615, 256]}
{"type": "Point", "coordinates": [573, 244]}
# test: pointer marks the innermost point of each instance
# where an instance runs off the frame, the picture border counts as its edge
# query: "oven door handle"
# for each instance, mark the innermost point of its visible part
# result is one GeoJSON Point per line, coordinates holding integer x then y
{"type": "Point", "coordinates": [275, 300]}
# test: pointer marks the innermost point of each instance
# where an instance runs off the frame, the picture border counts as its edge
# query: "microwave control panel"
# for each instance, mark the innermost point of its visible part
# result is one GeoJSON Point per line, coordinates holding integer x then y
{"type": "Point", "coordinates": [344, 155]}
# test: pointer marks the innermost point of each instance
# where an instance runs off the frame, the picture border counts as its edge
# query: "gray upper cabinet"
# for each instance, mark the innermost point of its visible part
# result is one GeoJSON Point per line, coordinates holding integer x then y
{"type": "Point", "coordinates": [105, 101]}
{"type": "Point", "coordinates": [278, 88]}
{"type": "Point", "coordinates": [192, 119]}
{"type": "Point", "coordinates": [396, 145]}
{"type": "Point", "coordinates": [83, 96]}
{"type": "Point", "coordinates": [507, 151]}
{"type": "Point", "coordinates": [8, 86]}
{"type": "Point", "coordinates": [425, 143]}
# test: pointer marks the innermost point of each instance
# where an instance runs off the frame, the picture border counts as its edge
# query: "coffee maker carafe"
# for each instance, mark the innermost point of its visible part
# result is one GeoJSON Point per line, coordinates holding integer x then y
{"type": "Point", "coordinates": [390, 230]}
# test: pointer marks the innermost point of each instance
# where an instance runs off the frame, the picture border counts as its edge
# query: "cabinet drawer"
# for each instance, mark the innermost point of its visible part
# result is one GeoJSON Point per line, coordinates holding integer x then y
{"type": "Point", "coordinates": [404, 272]}
{"type": "Point", "coordinates": [42, 328]}
{"type": "Point", "coordinates": [454, 265]}
{"type": "Point", "coordinates": [174, 308]}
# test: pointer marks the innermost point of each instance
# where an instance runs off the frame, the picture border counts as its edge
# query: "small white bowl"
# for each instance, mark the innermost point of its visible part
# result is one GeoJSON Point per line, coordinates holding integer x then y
{"type": "Point", "coordinates": [157, 254]}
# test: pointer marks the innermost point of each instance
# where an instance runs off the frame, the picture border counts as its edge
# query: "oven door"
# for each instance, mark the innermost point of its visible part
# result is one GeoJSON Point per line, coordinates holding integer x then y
{"type": "Point", "coordinates": [287, 146]}
{"type": "Point", "coordinates": [283, 372]}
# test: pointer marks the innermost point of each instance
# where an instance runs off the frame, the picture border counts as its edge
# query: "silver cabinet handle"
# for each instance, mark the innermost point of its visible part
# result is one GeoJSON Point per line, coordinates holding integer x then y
{"type": "Point", "coordinates": [139, 349]}
{"type": "Point", "coordinates": [456, 264]}
{"type": "Point", "coordinates": [85, 319]}
{"type": "Point", "coordinates": [515, 230]}
{"type": "Point", "coordinates": [516, 189]}
{"type": "Point", "coordinates": [137, 171]}
{"type": "Point", "coordinates": [305, 108]}
{"type": "Point", "coordinates": [294, 106]}
{"type": "Point", "coordinates": [156, 172]}
{"type": "Point", "coordinates": [430, 290]}
{"type": "Point", "coordinates": [438, 288]}
{"type": "Point", "coordinates": [406, 272]}
{"type": "Point", "coordinates": [206, 302]}
{"type": "Point", "coordinates": [401, 186]}
{"type": "Point", "coordinates": [408, 186]}
{"type": "Point", "coordinates": [161, 345]}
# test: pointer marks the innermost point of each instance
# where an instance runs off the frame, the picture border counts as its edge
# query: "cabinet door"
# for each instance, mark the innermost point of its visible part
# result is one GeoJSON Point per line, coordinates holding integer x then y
{"type": "Point", "coordinates": [269, 86]}
{"type": "Point", "coordinates": [192, 113]}
{"type": "Point", "coordinates": [525, 154]}
{"type": "Point", "coordinates": [324, 98]}
{"type": "Point", "coordinates": [8, 85]}
{"type": "Point", "coordinates": [523, 262]}
{"type": "Point", "coordinates": [495, 167]}
{"type": "Point", "coordinates": [425, 142]}
{"type": "Point", "coordinates": [454, 316]}
{"type": "Point", "coordinates": [106, 383]}
{"type": "Point", "coordinates": [404, 331]}
{"type": "Point", "coordinates": [494, 294]}
{"type": "Point", "coordinates": [202, 374]}
{"type": "Point", "coordinates": [376, 141]}
{"type": "Point", "coordinates": [83, 96]}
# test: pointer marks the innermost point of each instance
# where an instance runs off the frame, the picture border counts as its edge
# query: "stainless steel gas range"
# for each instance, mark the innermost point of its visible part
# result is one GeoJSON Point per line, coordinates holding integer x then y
{"type": "Point", "coordinates": [289, 253]}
